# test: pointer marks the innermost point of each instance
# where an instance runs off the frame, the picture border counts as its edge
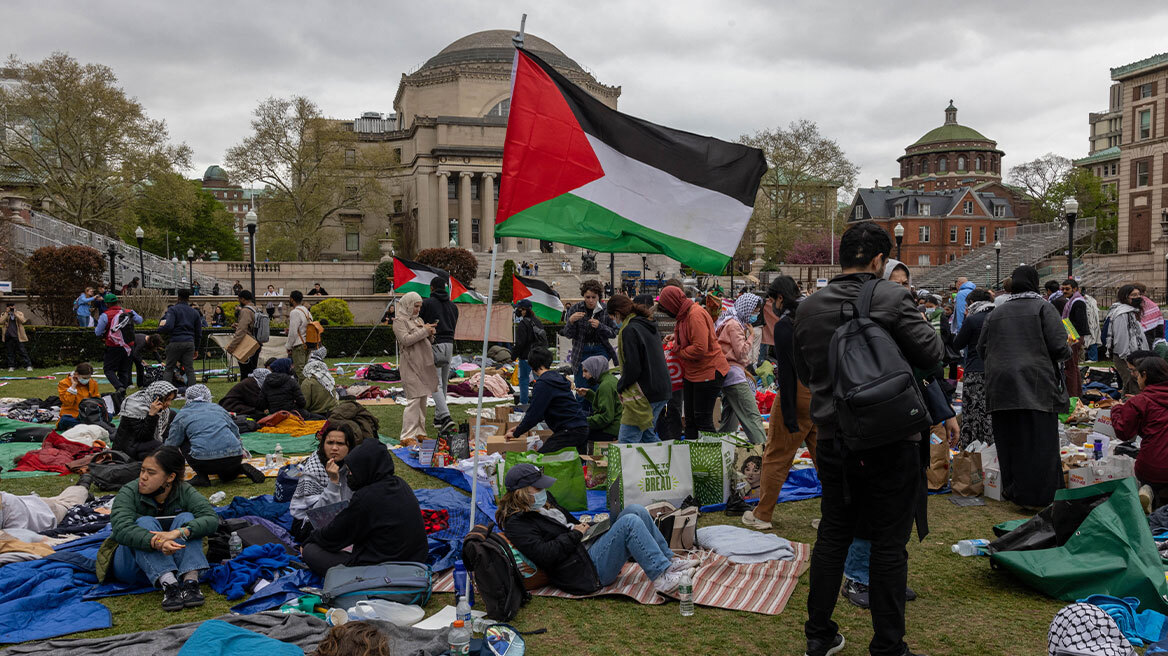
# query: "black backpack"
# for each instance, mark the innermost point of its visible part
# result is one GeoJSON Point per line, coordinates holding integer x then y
{"type": "Point", "coordinates": [497, 580]}
{"type": "Point", "coordinates": [112, 476]}
{"type": "Point", "coordinates": [538, 334]}
{"type": "Point", "coordinates": [877, 400]}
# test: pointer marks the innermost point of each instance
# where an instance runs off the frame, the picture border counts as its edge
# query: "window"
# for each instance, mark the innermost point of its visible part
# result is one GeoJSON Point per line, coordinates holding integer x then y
{"type": "Point", "coordinates": [923, 234]}
{"type": "Point", "coordinates": [922, 260]}
{"type": "Point", "coordinates": [1145, 124]}
{"type": "Point", "coordinates": [942, 165]}
{"type": "Point", "coordinates": [397, 206]}
{"type": "Point", "coordinates": [350, 157]}
{"type": "Point", "coordinates": [953, 235]}
{"type": "Point", "coordinates": [474, 192]}
{"type": "Point", "coordinates": [1114, 169]}
{"type": "Point", "coordinates": [1146, 90]}
{"type": "Point", "coordinates": [999, 211]}
{"type": "Point", "coordinates": [1142, 173]}
{"type": "Point", "coordinates": [978, 163]}
{"type": "Point", "coordinates": [502, 108]}
{"type": "Point", "coordinates": [969, 207]}
{"type": "Point", "coordinates": [474, 230]}
{"type": "Point", "coordinates": [397, 155]}
{"type": "Point", "coordinates": [968, 236]}
{"type": "Point", "coordinates": [859, 215]}
{"type": "Point", "coordinates": [452, 188]}
{"type": "Point", "coordinates": [961, 163]}
{"type": "Point", "coordinates": [925, 207]}
{"type": "Point", "coordinates": [981, 232]}
{"type": "Point", "coordinates": [898, 210]}
{"type": "Point", "coordinates": [352, 239]}
{"type": "Point", "coordinates": [923, 167]}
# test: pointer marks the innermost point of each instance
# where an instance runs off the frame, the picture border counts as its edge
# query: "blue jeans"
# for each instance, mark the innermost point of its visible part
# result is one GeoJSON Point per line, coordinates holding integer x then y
{"type": "Point", "coordinates": [633, 435]}
{"type": "Point", "coordinates": [859, 555]}
{"type": "Point", "coordinates": [632, 534]}
{"type": "Point", "coordinates": [146, 565]}
{"type": "Point", "coordinates": [587, 351]}
{"type": "Point", "coordinates": [524, 381]}
{"type": "Point", "coordinates": [1093, 352]}
{"type": "Point", "coordinates": [82, 322]}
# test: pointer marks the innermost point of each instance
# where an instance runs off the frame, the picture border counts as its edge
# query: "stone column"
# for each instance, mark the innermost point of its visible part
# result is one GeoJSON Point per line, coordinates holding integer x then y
{"type": "Point", "coordinates": [464, 211]}
{"type": "Point", "coordinates": [423, 229]}
{"type": "Point", "coordinates": [443, 230]}
{"type": "Point", "coordinates": [487, 222]}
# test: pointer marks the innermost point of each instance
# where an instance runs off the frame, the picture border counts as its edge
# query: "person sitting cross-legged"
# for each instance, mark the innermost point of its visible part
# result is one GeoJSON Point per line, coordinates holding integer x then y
{"type": "Point", "coordinates": [210, 440]}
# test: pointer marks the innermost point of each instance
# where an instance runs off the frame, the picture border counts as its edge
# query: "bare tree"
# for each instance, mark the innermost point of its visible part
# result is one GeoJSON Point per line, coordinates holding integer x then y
{"type": "Point", "coordinates": [1041, 178]}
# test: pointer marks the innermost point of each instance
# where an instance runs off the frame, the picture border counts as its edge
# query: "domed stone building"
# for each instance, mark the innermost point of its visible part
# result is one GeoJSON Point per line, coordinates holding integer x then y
{"type": "Point", "coordinates": [949, 156]}
{"type": "Point", "coordinates": [447, 132]}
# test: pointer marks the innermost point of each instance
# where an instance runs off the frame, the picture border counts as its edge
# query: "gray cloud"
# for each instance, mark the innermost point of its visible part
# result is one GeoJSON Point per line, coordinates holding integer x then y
{"type": "Point", "coordinates": [875, 76]}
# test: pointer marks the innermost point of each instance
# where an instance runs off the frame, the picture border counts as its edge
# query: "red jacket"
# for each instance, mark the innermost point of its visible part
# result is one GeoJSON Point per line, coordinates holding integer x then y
{"type": "Point", "coordinates": [1146, 414]}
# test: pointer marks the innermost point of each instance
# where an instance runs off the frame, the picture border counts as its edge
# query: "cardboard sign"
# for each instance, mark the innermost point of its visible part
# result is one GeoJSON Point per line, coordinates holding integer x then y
{"type": "Point", "coordinates": [473, 318]}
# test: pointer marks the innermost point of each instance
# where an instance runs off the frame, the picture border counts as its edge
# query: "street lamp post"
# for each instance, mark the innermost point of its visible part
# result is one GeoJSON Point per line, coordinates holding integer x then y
{"type": "Point", "coordinates": [998, 254]}
{"type": "Point", "coordinates": [140, 234]}
{"type": "Point", "coordinates": [113, 254]}
{"type": "Point", "coordinates": [644, 274]}
{"type": "Point", "coordinates": [899, 232]}
{"type": "Point", "coordinates": [250, 220]}
{"type": "Point", "coordinates": [191, 267]}
{"type": "Point", "coordinates": [987, 275]}
{"type": "Point", "coordinates": [1071, 208]}
{"type": "Point", "coordinates": [174, 271]}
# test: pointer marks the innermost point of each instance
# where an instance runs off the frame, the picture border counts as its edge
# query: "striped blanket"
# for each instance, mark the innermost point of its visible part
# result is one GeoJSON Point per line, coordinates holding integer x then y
{"type": "Point", "coordinates": [755, 588]}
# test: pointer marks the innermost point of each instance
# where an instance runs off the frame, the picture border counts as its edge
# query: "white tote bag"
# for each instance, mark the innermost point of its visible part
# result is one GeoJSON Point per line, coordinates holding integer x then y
{"type": "Point", "coordinates": [642, 474]}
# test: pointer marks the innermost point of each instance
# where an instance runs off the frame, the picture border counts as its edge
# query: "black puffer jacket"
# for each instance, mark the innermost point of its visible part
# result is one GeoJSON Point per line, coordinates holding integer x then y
{"type": "Point", "coordinates": [135, 436]}
{"type": "Point", "coordinates": [526, 332]}
{"type": "Point", "coordinates": [382, 521]}
{"type": "Point", "coordinates": [243, 399]}
{"type": "Point", "coordinates": [281, 392]}
{"type": "Point", "coordinates": [554, 548]}
{"type": "Point", "coordinates": [644, 360]}
{"type": "Point", "coordinates": [440, 310]}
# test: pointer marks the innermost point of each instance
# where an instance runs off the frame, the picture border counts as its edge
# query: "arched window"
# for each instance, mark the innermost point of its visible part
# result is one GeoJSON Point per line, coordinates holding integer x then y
{"type": "Point", "coordinates": [978, 163]}
{"type": "Point", "coordinates": [942, 165]}
{"type": "Point", "coordinates": [923, 166]}
{"type": "Point", "coordinates": [961, 163]}
{"type": "Point", "coordinates": [502, 108]}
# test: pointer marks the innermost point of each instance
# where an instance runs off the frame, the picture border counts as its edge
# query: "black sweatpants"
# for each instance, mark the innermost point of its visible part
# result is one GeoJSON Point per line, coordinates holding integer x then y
{"type": "Point", "coordinates": [16, 347]}
{"type": "Point", "coordinates": [116, 367]}
{"type": "Point", "coordinates": [319, 559]}
{"type": "Point", "coordinates": [227, 469]}
{"type": "Point", "coordinates": [245, 368]}
{"type": "Point", "coordinates": [699, 401]}
{"type": "Point", "coordinates": [669, 424]}
{"type": "Point", "coordinates": [869, 494]}
{"type": "Point", "coordinates": [576, 438]}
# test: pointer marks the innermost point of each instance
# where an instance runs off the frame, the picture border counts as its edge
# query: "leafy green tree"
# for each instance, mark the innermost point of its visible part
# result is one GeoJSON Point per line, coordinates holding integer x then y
{"type": "Point", "coordinates": [169, 207]}
{"type": "Point", "coordinates": [383, 278]}
{"type": "Point", "coordinates": [506, 282]}
{"type": "Point", "coordinates": [1095, 200]}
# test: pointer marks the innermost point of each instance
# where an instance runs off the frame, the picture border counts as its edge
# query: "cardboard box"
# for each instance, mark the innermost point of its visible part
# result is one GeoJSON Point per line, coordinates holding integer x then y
{"type": "Point", "coordinates": [502, 412]}
{"type": "Point", "coordinates": [496, 444]}
{"type": "Point", "coordinates": [992, 481]}
{"type": "Point", "coordinates": [1114, 468]}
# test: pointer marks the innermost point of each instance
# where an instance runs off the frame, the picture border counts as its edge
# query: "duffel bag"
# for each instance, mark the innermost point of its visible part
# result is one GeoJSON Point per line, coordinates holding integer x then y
{"type": "Point", "coordinates": [404, 582]}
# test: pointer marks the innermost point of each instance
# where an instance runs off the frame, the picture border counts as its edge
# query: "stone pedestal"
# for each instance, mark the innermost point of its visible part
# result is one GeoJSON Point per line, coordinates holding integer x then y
{"type": "Point", "coordinates": [386, 248]}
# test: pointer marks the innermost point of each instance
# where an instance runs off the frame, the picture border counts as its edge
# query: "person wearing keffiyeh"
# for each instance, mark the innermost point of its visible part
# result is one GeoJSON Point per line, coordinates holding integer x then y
{"type": "Point", "coordinates": [146, 417]}
{"type": "Point", "coordinates": [734, 331]}
{"type": "Point", "coordinates": [209, 438]}
{"type": "Point", "coordinates": [318, 386]}
{"type": "Point", "coordinates": [244, 398]}
{"type": "Point", "coordinates": [322, 482]}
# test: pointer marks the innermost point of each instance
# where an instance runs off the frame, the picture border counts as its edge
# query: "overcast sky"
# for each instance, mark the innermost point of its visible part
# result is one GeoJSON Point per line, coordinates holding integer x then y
{"type": "Point", "coordinates": [874, 75]}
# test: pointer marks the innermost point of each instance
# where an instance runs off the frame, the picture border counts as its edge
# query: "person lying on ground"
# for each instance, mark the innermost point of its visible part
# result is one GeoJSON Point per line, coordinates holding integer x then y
{"type": "Point", "coordinates": [280, 390]}
{"type": "Point", "coordinates": [158, 523]}
{"type": "Point", "coordinates": [243, 398]}
{"type": "Point", "coordinates": [604, 422]}
{"type": "Point", "coordinates": [319, 387]}
{"type": "Point", "coordinates": [382, 522]}
{"type": "Point", "coordinates": [75, 388]}
{"type": "Point", "coordinates": [321, 482]}
{"type": "Point", "coordinates": [551, 538]}
{"type": "Point", "coordinates": [552, 401]}
{"type": "Point", "coordinates": [209, 438]}
{"type": "Point", "coordinates": [34, 513]}
{"type": "Point", "coordinates": [146, 417]}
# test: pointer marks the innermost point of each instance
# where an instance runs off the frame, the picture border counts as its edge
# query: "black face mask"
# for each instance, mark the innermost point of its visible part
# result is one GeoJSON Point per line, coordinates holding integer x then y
{"type": "Point", "coordinates": [1137, 302]}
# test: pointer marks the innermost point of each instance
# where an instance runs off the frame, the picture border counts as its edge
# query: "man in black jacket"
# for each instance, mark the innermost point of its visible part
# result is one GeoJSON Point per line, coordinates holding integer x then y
{"type": "Point", "coordinates": [440, 310]}
{"type": "Point", "coordinates": [642, 362]}
{"type": "Point", "coordinates": [872, 493]}
{"type": "Point", "coordinates": [184, 324]}
{"type": "Point", "coordinates": [552, 401]}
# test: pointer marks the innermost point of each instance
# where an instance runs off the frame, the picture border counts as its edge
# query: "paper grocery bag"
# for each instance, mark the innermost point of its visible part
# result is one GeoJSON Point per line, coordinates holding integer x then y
{"type": "Point", "coordinates": [938, 472]}
{"type": "Point", "coordinates": [967, 478]}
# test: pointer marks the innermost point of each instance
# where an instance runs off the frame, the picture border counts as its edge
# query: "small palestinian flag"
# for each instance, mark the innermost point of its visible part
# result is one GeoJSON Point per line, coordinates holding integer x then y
{"type": "Point", "coordinates": [460, 294]}
{"type": "Point", "coordinates": [544, 301]}
{"type": "Point", "coordinates": [413, 277]}
{"type": "Point", "coordinates": [578, 172]}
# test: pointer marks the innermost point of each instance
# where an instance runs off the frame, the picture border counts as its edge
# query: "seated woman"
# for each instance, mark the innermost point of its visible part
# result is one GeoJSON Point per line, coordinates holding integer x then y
{"type": "Point", "coordinates": [145, 420]}
{"type": "Point", "coordinates": [244, 398]}
{"type": "Point", "coordinates": [141, 550]}
{"type": "Point", "coordinates": [1146, 415]}
{"type": "Point", "coordinates": [73, 389]}
{"type": "Point", "coordinates": [605, 420]}
{"type": "Point", "coordinates": [550, 537]}
{"type": "Point", "coordinates": [318, 386]}
{"type": "Point", "coordinates": [382, 521]}
{"type": "Point", "coordinates": [208, 437]}
{"type": "Point", "coordinates": [321, 483]}
{"type": "Point", "coordinates": [280, 390]}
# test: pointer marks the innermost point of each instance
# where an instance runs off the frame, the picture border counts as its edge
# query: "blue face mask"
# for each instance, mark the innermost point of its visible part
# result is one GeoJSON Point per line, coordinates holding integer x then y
{"type": "Point", "coordinates": [753, 318]}
{"type": "Point", "coordinates": [540, 500]}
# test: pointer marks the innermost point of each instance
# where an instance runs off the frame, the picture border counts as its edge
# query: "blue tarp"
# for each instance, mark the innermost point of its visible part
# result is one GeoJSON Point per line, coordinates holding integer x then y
{"type": "Point", "coordinates": [218, 638]}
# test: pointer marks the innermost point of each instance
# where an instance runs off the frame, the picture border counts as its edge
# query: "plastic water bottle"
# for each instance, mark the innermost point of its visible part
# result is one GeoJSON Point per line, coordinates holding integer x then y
{"type": "Point", "coordinates": [462, 586]}
{"type": "Point", "coordinates": [234, 545]}
{"type": "Point", "coordinates": [971, 548]}
{"type": "Point", "coordinates": [218, 497]}
{"type": "Point", "coordinates": [279, 459]}
{"type": "Point", "coordinates": [462, 611]}
{"type": "Point", "coordinates": [459, 639]}
{"type": "Point", "coordinates": [685, 593]}
{"type": "Point", "coordinates": [1098, 450]}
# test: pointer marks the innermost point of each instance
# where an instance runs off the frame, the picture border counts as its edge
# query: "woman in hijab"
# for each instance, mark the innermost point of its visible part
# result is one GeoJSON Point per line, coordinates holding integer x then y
{"type": "Point", "coordinates": [146, 417]}
{"type": "Point", "coordinates": [209, 439]}
{"type": "Point", "coordinates": [415, 363]}
{"type": "Point", "coordinates": [703, 365]}
{"type": "Point", "coordinates": [605, 420]}
{"type": "Point", "coordinates": [975, 420]}
{"type": "Point", "coordinates": [244, 398]}
{"type": "Point", "coordinates": [735, 333]}
{"type": "Point", "coordinates": [1023, 344]}
{"type": "Point", "coordinates": [1126, 335]}
{"type": "Point", "coordinates": [280, 391]}
{"type": "Point", "coordinates": [318, 386]}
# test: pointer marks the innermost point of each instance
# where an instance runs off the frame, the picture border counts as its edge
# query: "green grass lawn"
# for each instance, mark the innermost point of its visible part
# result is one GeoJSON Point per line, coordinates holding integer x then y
{"type": "Point", "coordinates": [964, 607]}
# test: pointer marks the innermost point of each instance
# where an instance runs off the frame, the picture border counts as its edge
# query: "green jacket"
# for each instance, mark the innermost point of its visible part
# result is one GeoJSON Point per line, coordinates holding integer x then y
{"type": "Point", "coordinates": [606, 405]}
{"type": "Point", "coordinates": [317, 400]}
{"type": "Point", "coordinates": [129, 505]}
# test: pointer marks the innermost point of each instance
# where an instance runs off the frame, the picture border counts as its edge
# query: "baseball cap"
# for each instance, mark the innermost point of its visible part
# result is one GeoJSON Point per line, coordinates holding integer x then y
{"type": "Point", "coordinates": [110, 298]}
{"type": "Point", "coordinates": [525, 474]}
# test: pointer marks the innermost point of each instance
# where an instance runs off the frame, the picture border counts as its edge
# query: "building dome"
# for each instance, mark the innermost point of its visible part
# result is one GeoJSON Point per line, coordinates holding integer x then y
{"type": "Point", "coordinates": [215, 174]}
{"type": "Point", "coordinates": [952, 132]}
{"type": "Point", "coordinates": [494, 46]}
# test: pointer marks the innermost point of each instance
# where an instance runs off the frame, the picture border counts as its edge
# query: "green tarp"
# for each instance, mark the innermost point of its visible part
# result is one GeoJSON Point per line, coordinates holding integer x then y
{"type": "Point", "coordinates": [10, 451]}
{"type": "Point", "coordinates": [262, 443]}
{"type": "Point", "coordinates": [1111, 551]}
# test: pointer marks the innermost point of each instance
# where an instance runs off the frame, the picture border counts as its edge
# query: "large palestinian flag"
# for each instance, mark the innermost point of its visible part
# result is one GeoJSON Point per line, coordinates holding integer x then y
{"type": "Point", "coordinates": [413, 277]}
{"type": "Point", "coordinates": [544, 301]}
{"type": "Point", "coordinates": [577, 172]}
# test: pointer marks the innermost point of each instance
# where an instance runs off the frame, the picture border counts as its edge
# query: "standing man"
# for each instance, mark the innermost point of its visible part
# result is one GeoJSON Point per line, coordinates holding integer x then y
{"type": "Point", "coordinates": [184, 324]}
{"type": "Point", "coordinates": [875, 493]}
{"type": "Point", "coordinates": [1076, 311]}
{"type": "Point", "coordinates": [297, 345]}
{"type": "Point", "coordinates": [116, 327]}
{"type": "Point", "coordinates": [245, 325]}
{"type": "Point", "coordinates": [963, 289]}
{"type": "Point", "coordinates": [14, 336]}
{"type": "Point", "coordinates": [438, 309]}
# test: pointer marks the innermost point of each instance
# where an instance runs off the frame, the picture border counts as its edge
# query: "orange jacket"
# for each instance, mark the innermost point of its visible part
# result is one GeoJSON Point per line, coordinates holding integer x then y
{"type": "Point", "coordinates": [702, 355]}
{"type": "Point", "coordinates": [70, 401]}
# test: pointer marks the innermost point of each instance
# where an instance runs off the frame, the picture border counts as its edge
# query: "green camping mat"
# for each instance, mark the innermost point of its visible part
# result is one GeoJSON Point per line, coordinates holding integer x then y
{"type": "Point", "coordinates": [10, 451]}
{"type": "Point", "coordinates": [262, 443]}
{"type": "Point", "coordinates": [1111, 552]}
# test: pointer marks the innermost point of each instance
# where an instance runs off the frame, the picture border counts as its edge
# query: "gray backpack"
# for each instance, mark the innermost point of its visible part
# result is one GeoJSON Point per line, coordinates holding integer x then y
{"type": "Point", "coordinates": [261, 327]}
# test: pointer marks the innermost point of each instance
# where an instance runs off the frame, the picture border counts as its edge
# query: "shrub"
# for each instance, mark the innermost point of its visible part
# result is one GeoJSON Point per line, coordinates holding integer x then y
{"type": "Point", "coordinates": [230, 310]}
{"type": "Point", "coordinates": [458, 262]}
{"type": "Point", "coordinates": [506, 282]}
{"type": "Point", "coordinates": [334, 310]}
{"type": "Point", "coordinates": [383, 278]}
{"type": "Point", "coordinates": [58, 275]}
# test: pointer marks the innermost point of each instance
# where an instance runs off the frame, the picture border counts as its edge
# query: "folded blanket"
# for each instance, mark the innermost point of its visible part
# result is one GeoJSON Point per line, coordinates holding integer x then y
{"type": "Point", "coordinates": [742, 545]}
{"type": "Point", "coordinates": [233, 577]}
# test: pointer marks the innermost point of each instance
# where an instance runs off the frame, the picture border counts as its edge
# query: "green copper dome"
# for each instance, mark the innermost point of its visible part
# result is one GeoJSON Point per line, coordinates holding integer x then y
{"type": "Point", "coordinates": [215, 173]}
{"type": "Point", "coordinates": [951, 132]}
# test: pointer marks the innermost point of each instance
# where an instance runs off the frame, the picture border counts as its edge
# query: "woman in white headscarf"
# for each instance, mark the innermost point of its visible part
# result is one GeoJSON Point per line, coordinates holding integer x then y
{"type": "Point", "coordinates": [415, 363]}
{"type": "Point", "coordinates": [209, 439]}
{"type": "Point", "coordinates": [734, 331]}
{"type": "Point", "coordinates": [146, 416]}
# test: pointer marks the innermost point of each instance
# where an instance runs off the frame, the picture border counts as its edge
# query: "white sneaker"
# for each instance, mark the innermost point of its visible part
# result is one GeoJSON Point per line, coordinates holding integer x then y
{"type": "Point", "coordinates": [750, 520]}
{"type": "Point", "coordinates": [683, 564]}
{"type": "Point", "coordinates": [11, 368]}
{"type": "Point", "coordinates": [28, 368]}
{"type": "Point", "coordinates": [667, 583]}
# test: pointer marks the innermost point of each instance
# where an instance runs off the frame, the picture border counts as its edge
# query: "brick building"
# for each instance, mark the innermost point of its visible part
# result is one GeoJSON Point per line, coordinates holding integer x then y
{"type": "Point", "coordinates": [1143, 157]}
